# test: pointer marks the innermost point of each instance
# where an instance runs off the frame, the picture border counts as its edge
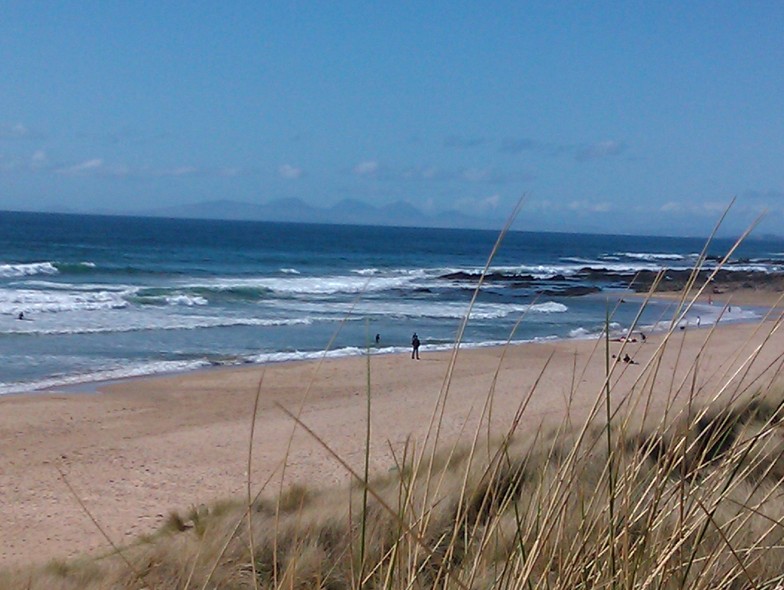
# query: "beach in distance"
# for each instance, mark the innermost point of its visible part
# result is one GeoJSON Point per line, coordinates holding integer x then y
{"type": "Point", "coordinates": [131, 378]}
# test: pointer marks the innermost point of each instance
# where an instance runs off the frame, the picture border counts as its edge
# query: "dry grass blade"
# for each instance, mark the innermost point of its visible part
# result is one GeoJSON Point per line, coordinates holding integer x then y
{"type": "Point", "coordinates": [249, 480]}
{"type": "Point", "coordinates": [98, 526]}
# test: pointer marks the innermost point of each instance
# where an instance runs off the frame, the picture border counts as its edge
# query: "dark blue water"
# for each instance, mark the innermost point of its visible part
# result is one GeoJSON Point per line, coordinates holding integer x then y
{"type": "Point", "coordinates": [106, 297]}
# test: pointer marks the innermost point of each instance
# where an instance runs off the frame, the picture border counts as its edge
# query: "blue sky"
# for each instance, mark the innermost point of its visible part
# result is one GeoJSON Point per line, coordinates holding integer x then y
{"type": "Point", "coordinates": [612, 117]}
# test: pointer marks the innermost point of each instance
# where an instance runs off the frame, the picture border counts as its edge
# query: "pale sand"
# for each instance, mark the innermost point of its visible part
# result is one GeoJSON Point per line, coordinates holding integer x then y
{"type": "Point", "coordinates": [140, 448]}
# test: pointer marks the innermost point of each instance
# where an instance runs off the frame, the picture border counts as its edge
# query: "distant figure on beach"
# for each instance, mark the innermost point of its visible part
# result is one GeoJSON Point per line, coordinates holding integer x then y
{"type": "Point", "coordinates": [415, 346]}
{"type": "Point", "coordinates": [642, 336]}
{"type": "Point", "coordinates": [628, 359]}
{"type": "Point", "coordinates": [699, 321]}
{"type": "Point", "coordinates": [378, 338]}
{"type": "Point", "coordinates": [21, 315]}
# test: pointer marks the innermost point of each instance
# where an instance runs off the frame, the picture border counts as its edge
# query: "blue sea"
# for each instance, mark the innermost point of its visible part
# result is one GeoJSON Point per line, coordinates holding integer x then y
{"type": "Point", "coordinates": [111, 297]}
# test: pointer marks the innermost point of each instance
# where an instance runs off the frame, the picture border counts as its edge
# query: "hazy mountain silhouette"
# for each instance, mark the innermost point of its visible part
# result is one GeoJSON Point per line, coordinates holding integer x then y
{"type": "Point", "coordinates": [347, 211]}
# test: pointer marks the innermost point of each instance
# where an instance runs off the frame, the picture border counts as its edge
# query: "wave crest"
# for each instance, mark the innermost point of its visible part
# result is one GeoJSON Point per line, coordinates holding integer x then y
{"type": "Point", "coordinates": [27, 269]}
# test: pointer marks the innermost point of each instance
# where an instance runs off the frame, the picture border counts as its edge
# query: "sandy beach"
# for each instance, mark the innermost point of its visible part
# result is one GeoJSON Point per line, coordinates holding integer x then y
{"type": "Point", "coordinates": [137, 449]}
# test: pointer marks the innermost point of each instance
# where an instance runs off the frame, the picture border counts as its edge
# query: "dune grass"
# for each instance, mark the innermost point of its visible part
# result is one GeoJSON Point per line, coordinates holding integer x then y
{"type": "Point", "coordinates": [631, 497]}
{"type": "Point", "coordinates": [697, 504]}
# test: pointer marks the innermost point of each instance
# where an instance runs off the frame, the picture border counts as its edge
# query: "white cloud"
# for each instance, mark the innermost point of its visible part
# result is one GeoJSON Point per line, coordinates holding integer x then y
{"type": "Point", "coordinates": [95, 167]}
{"type": "Point", "coordinates": [491, 175]}
{"type": "Point", "coordinates": [703, 209]}
{"type": "Point", "coordinates": [290, 172]}
{"type": "Point", "coordinates": [475, 174]}
{"type": "Point", "coordinates": [479, 204]}
{"type": "Point", "coordinates": [39, 159]}
{"type": "Point", "coordinates": [603, 149]}
{"type": "Point", "coordinates": [541, 205]}
{"type": "Point", "coordinates": [366, 168]}
{"type": "Point", "coordinates": [713, 207]}
{"type": "Point", "coordinates": [98, 167]}
{"type": "Point", "coordinates": [13, 131]}
{"type": "Point", "coordinates": [517, 145]}
{"type": "Point", "coordinates": [590, 206]}
{"type": "Point", "coordinates": [422, 173]}
{"type": "Point", "coordinates": [181, 171]}
{"type": "Point", "coordinates": [671, 207]}
{"type": "Point", "coordinates": [86, 167]}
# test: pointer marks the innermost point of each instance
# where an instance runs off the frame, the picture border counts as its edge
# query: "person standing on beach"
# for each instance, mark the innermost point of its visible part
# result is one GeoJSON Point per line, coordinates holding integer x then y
{"type": "Point", "coordinates": [415, 346]}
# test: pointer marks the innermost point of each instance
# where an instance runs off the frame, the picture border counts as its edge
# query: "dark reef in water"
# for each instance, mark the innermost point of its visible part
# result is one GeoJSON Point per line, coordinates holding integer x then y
{"type": "Point", "coordinates": [724, 279]}
{"type": "Point", "coordinates": [590, 280]}
{"type": "Point", "coordinates": [576, 291]}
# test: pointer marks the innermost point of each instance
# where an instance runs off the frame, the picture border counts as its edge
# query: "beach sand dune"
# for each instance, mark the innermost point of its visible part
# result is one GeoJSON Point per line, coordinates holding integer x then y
{"type": "Point", "coordinates": [137, 449]}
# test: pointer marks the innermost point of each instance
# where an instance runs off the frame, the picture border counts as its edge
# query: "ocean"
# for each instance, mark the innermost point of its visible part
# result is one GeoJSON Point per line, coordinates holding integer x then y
{"type": "Point", "coordinates": [106, 298]}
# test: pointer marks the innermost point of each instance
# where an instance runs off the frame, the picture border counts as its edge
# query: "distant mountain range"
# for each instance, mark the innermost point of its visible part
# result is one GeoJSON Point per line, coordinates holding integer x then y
{"type": "Point", "coordinates": [347, 211]}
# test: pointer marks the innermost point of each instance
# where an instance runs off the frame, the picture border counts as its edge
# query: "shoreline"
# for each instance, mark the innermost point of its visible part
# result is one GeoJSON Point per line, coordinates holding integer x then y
{"type": "Point", "coordinates": [146, 446]}
{"type": "Point", "coordinates": [763, 300]}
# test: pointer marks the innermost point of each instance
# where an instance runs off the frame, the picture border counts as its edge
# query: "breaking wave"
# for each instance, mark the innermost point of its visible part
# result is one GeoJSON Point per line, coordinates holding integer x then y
{"type": "Point", "coordinates": [27, 269]}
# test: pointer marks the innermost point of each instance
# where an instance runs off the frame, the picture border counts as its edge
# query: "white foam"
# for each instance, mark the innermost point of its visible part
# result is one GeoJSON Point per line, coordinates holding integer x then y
{"type": "Point", "coordinates": [187, 300]}
{"type": "Point", "coordinates": [765, 268]}
{"type": "Point", "coordinates": [58, 286]}
{"type": "Point", "coordinates": [586, 261]}
{"type": "Point", "coordinates": [158, 367]}
{"type": "Point", "coordinates": [538, 271]}
{"type": "Point", "coordinates": [571, 265]}
{"type": "Point", "coordinates": [296, 355]}
{"type": "Point", "coordinates": [27, 269]}
{"type": "Point", "coordinates": [290, 271]}
{"type": "Point", "coordinates": [709, 314]}
{"type": "Point", "coordinates": [276, 357]}
{"type": "Point", "coordinates": [581, 333]}
{"type": "Point", "coordinates": [109, 374]}
{"type": "Point", "coordinates": [422, 309]}
{"type": "Point", "coordinates": [650, 256]}
{"type": "Point", "coordinates": [30, 300]}
{"type": "Point", "coordinates": [328, 285]}
{"type": "Point", "coordinates": [98, 323]}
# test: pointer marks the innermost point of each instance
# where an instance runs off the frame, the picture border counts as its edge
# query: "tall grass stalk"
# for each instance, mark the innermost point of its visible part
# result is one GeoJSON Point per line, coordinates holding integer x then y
{"type": "Point", "coordinates": [608, 430]}
{"type": "Point", "coordinates": [366, 475]}
{"type": "Point", "coordinates": [249, 479]}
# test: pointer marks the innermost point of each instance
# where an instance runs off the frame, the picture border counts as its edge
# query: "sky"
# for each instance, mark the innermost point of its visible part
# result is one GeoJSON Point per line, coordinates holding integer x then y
{"type": "Point", "coordinates": [610, 117]}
